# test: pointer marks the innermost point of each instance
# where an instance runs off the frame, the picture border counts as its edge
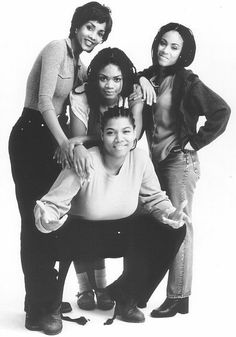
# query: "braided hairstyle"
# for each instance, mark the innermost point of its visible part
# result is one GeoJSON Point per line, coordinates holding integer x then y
{"type": "Point", "coordinates": [93, 11]}
{"type": "Point", "coordinates": [103, 58]}
{"type": "Point", "coordinates": [116, 112]}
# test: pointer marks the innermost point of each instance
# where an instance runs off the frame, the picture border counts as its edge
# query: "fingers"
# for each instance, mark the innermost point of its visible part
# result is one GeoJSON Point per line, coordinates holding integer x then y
{"type": "Point", "coordinates": [43, 211]}
{"type": "Point", "coordinates": [62, 220]}
{"type": "Point", "coordinates": [182, 205]}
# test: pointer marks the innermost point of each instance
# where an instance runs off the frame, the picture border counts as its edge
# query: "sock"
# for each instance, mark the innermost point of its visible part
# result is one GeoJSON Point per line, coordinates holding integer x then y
{"type": "Point", "coordinates": [100, 278]}
{"type": "Point", "coordinates": [83, 281]}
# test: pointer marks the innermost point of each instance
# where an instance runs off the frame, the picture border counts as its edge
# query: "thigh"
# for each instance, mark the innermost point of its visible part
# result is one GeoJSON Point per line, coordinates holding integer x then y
{"type": "Point", "coordinates": [178, 175]}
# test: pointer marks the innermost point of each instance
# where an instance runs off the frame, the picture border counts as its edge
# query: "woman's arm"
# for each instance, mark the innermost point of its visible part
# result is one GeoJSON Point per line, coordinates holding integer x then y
{"type": "Point", "coordinates": [52, 57]}
{"type": "Point", "coordinates": [51, 210]}
{"type": "Point", "coordinates": [136, 107]}
{"type": "Point", "coordinates": [204, 102]}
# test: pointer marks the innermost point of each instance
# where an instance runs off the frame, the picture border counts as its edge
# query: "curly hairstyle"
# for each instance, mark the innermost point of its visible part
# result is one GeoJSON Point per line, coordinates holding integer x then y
{"type": "Point", "coordinates": [116, 112]}
{"type": "Point", "coordinates": [188, 51]}
{"type": "Point", "coordinates": [91, 11]}
{"type": "Point", "coordinates": [103, 58]}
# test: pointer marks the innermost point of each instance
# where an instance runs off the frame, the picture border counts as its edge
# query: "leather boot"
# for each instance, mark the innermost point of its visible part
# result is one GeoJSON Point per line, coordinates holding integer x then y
{"type": "Point", "coordinates": [51, 323]}
{"type": "Point", "coordinates": [32, 322]}
{"type": "Point", "coordinates": [171, 306]}
{"type": "Point", "coordinates": [104, 302]}
{"type": "Point", "coordinates": [129, 312]}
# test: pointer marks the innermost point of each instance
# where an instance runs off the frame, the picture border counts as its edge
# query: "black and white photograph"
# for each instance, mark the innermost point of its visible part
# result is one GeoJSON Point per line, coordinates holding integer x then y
{"type": "Point", "coordinates": [118, 168]}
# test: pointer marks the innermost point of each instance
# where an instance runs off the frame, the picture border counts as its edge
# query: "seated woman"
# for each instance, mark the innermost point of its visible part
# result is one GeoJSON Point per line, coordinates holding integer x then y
{"type": "Point", "coordinates": [111, 79]}
{"type": "Point", "coordinates": [103, 220]}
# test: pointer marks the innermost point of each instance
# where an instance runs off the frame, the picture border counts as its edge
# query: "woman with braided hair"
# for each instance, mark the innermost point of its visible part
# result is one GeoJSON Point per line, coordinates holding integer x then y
{"type": "Point", "coordinates": [111, 79]}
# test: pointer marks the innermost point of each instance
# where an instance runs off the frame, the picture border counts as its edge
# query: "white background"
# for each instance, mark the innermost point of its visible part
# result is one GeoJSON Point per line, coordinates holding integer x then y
{"type": "Point", "coordinates": [25, 28]}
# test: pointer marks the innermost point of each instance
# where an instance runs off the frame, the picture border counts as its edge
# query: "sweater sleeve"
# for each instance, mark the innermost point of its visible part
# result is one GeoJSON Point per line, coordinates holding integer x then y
{"type": "Point", "coordinates": [52, 57]}
{"type": "Point", "coordinates": [154, 200]}
{"type": "Point", "coordinates": [57, 201]}
{"type": "Point", "coordinates": [205, 102]}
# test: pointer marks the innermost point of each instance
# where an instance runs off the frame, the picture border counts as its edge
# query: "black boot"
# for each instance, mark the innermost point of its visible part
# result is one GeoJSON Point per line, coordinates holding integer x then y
{"type": "Point", "coordinates": [129, 312]}
{"type": "Point", "coordinates": [171, 306]}
{"type": "Point", "coordinates": [51, 323]}
{"type": "Point", "coordinates": [32, 321]}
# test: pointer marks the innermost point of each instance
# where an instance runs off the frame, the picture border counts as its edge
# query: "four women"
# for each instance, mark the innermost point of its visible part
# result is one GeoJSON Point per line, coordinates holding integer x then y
{"type": "Point", "coordinates": [113, 170]}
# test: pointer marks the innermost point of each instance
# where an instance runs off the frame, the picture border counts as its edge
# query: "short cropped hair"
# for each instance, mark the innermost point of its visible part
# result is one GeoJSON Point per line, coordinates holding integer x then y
{"type": "Point", "coordinates": [91, 11]}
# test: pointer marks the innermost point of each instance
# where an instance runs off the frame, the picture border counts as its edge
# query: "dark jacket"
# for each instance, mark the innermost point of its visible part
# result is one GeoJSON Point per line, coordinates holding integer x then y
{"type": "Point", "coordinates": [191, 99]}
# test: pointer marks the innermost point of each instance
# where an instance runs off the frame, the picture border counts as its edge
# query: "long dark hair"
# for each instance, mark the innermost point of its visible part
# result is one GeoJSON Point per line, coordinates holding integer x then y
{"type": "Point", "coordinates": [186, 56]}
{"type": "Point", "coordinates": [91, 11]}
{"type": "Point", "coordinates": [103, 58]}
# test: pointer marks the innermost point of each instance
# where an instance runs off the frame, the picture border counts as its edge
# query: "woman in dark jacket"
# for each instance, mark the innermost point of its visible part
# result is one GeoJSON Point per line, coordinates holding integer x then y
{"type": "Point", "coordinates": [177, 98]}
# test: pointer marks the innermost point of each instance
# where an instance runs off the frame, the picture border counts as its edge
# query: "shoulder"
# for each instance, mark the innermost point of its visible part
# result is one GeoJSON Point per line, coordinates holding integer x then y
{"type": "Point", "coordinates": [140, 156]}
{"type": "Point", "coordinates": [56, 48]}
{"type": "Point", "coordinates": [79, 96]}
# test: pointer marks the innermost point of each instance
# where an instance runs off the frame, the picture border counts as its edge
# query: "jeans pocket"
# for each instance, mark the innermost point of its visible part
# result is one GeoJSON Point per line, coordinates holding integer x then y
{"type": "Point", "coordinates": [195, 163]}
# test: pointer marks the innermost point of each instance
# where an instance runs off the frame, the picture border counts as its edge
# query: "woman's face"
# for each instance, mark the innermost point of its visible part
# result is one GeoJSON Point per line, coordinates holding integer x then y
{"type": "Point", "coordinates": [110, 82]}
{"type": "Point", "coordinates": [169, 48]}
{"type": "Point", "coordinates": [90, 35]}
{"type": "Point", "coordinates": [118, 137]}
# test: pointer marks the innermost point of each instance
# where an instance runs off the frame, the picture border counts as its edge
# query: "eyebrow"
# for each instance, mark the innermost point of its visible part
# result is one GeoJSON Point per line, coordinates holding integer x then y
{"type": "Point", "coordinates": [173, 43]}
{"type": "Point", "coordinates": [91, 23]}
{"type": "Point", "coordinates": [117, 76]}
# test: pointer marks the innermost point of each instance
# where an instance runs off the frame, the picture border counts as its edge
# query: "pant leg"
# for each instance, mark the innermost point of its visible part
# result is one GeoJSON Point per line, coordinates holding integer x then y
{"type": "Point", "coordinates": [31, 149]}
{"type": "Point", "coordinates": [151, 247]}
{"type": "Point", "coordinates": [178, 175]}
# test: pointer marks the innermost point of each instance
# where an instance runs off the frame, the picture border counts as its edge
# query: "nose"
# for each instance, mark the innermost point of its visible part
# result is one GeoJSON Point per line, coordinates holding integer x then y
{"type": "Point", "coordinates": [92, 35]}
{"type": "Point", "coordinates": [118, 137]}
{"type": "Point", "coordinates": [109, 83]}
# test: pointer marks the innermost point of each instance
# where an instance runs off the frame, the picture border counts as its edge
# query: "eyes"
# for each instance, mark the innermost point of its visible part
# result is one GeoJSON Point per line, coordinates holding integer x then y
{"type": "Point", "coordinates": [173, 46]}
{"type": "Point", "coordinates": [92, 28]}
{"type": "Point", "coordinates": [111, 132]}
{"type": "Point", "coordinates": [105, 79]}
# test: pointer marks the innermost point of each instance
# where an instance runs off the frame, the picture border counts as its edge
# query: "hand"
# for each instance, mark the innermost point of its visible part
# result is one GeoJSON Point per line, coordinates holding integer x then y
{"type": "Point", "coordinates": [177, 218]}
{"type": "Point", "coordinates": [62, 154]}
{"type": "Point", "coordinates": [46, 222]}
{"type": "Point", "coordinates": [82, 162]}
{"type": "Point", "coordinates": [136, 94]}
{"type": "Point", "coordinates": [189, 147]}
{"type": "Point", "coordinates": [149, 94]}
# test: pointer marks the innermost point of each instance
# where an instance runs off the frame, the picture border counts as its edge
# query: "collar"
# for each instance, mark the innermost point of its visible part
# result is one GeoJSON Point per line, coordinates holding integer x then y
{"type": "Point", "coordinates": [70, 51]}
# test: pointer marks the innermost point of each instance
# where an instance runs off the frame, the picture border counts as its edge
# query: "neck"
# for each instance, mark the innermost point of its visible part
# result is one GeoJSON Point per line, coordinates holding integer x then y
{"type": "Point", "coordinates": [109, 103]}
{"type": "Point", "coordinates": [77, 50]}
{"type": "Point", "coordinates": [112, 164]}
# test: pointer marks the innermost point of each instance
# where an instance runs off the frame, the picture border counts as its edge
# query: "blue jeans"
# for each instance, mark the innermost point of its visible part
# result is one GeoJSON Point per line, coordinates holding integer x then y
{"type": "Point", "coordinates": [178, 174]}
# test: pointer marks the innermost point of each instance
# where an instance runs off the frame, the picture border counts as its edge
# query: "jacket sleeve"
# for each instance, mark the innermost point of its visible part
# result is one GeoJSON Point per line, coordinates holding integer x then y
{"type": "Point", "coordinates": [57, 201]}
{"type": "Point", "coordinates": [148, 73]}
{"type": "Point", "coordinates": [152, 198]}
{"type": "Point", "coordinates": [205, 102]}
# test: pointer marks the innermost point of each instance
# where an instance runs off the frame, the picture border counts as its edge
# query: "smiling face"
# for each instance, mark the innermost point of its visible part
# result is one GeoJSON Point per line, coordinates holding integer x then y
{"type": "Point", "coordinates": [110, 83]}
{"type": "Point", "coordinates": [169, 48]}
{"type": "Point", "coordinates": [90, 35]}
{"type": "Point", "coordinates": [118, 137]}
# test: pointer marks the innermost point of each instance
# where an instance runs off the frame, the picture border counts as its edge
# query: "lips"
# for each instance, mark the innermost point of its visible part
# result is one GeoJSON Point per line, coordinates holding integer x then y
{"type": "Point", "coordinates": [88, 43]}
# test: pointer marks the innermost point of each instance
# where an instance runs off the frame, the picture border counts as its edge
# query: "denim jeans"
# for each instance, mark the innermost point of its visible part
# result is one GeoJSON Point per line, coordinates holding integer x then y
{"type": "Point", "coordinates": [178, 174]}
